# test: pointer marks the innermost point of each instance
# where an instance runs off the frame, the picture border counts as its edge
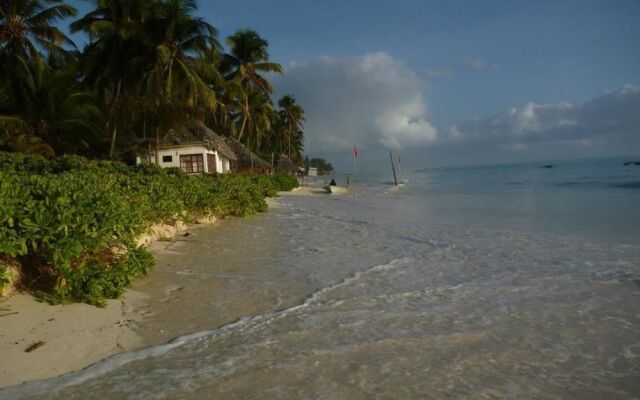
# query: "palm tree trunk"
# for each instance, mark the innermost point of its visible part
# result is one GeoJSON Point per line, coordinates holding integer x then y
{"type": "Point", "coordinates": [114, 130]}
{"type": "Point", "coordinates": [114, 134]}
{"type": "Point", "coordinates": [157, 150]}
{"type": "Point", "coordinates": [144, 137]}
{"type": "Point", "coordinates": [244, 119]}
{"type": "Point", "coordinates": [244, 123]}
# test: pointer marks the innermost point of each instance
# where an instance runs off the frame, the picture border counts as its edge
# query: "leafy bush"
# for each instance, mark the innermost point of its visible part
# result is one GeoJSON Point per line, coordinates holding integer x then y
{"type": "Point", "coordinates": [4, 277]}
{"type": "Point", "coordinates": [73, 223]}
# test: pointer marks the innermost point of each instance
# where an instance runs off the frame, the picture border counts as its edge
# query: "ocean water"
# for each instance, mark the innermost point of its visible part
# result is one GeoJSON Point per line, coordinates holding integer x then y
{"type": "Point", "coordinates": [496, 282]}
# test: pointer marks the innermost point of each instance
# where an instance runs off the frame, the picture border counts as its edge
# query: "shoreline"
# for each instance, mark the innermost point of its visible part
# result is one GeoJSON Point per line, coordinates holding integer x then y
{"type": "Point", "coordinates": [41, 341]}
{"type": "Point", "coordinates": [70, 337]}
{"type": "Point", "coordinates": [73, 336]}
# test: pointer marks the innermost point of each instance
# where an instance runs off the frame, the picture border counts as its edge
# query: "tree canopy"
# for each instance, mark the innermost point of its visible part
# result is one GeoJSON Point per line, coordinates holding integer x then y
{"type": "Point", "coordinates": [148, 66]}
{"type": "Point", "coordinates": [321, 164]}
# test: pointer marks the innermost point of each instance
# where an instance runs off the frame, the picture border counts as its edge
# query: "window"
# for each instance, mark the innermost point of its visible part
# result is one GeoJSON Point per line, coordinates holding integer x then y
{"type": "Point", "coordinates": [192, 163]}
{"type": "Point", "coordinates": [167, 158]}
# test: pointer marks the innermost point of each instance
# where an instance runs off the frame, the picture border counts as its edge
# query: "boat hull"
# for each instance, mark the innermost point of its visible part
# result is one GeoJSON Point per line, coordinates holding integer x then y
{"type": "Point", "coordinates": [335, 189]}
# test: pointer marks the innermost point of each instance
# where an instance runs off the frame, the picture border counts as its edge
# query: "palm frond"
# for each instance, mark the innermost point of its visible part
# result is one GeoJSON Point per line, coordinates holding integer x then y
{"type": "Point", "coordinates": [269, 67]}
{"type": "Point", "coordinates": [12, 123]}
{"type": "Point", "coordinates": [51, 15]}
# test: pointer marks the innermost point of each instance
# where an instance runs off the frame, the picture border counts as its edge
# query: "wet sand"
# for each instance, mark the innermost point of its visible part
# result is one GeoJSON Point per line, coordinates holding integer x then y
{"type": "Point", "coordinates": [205, 277]}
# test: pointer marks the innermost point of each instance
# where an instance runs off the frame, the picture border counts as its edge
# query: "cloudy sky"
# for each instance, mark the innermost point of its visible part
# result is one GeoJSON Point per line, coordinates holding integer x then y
{"type": "Point", "coordinates": [455, 82]}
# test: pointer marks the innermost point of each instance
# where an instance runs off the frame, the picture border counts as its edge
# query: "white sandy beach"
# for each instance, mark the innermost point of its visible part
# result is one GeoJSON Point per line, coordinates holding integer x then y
{"type": "Point", "coordinates": [72, 336]}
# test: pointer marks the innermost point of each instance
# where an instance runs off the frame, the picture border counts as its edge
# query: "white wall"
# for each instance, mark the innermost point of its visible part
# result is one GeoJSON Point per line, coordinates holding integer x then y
{"type": "Point", "coordinates": [219, 163]}
{"type": "Point", "coordinates": [222, 164]}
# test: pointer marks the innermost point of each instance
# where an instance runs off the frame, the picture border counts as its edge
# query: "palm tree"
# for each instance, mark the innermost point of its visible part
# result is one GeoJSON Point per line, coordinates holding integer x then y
{"type": "Point", "coordinates": [274, 143]}
{"type": "Point", "coordinates": [179, 42]}
{"type": "Point", "coordinates": [292, 117]}
{"type": "Point", "coordinates": [176, 37]}
{"type": "Point", "coordinates": [296, 147]}
{"type": "Point", "coordinates": [257, 116]}
{"type": "Point", "coordinates": [152, 53]}
{"type": "Point", "coordinates": [45, 111]}
{"type": "Point", "coordinates": [113, 61]}
{"type": "Point", "coordinates": [248, 58]}
{"type": "Point", "coordinates": [27, 25]}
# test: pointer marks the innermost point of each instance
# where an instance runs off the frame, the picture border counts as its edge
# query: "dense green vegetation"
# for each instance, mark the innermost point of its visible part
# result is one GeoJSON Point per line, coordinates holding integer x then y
{"type": "Point", "coordinates": [147, 66]}
{"type": "Point", "coordinates": [72, 223]}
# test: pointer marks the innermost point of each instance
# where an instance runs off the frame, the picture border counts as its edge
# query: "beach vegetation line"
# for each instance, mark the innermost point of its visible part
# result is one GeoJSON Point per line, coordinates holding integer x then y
{"type": "Point", "coordinates": [71, 224]}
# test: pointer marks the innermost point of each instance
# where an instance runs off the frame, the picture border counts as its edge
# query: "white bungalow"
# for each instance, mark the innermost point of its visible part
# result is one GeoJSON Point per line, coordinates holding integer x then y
{"type": "Point", "coordinates": [194, 149]}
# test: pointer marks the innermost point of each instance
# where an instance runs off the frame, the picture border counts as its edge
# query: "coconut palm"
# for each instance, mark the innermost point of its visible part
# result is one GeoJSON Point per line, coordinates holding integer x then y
{"type": "Point", "coordinates": [229, 108]}
{"type": "Point", "coordinates": [248, 58]}
{"type": "Point", "coordinates": [257, 117]}
{"type": "Point", "coordinates": [116, 41]}
{"type": "Point", "coordinates": [27, 26]}
{"type": "Point", "coordinates": [113, 61]}
{"type": "Point", "coordinates": [179, 74]}
{"type": "Point", "coordinates": [291, 117]}
{"type": "Point", "coordinates": [45, 111]}
{"type": "Point", "coordinates": [296, 147]}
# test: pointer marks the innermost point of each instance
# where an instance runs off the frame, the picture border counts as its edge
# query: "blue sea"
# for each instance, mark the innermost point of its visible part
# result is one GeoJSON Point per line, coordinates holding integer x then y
{"type": "Point", "coordinates": [597, 198]}
{"type": "Point", "coordinates": [489, 282]}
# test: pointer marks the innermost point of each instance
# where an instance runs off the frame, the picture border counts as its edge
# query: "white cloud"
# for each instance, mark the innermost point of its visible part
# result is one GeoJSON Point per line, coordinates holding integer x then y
{"type": "Point", "coordinates": [613, 116]}
{"type": "Point", "coordinates": [373, 101]}
{"type": "Point", "coordinates": [455, 133]}
{"type": "Point", "coordinates": [439, 73]}
{"type": "Point", "coordinates": [479, 63]}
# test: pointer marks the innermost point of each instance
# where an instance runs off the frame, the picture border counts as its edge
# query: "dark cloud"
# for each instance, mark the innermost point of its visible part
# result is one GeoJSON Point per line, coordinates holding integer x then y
{"type": "Point", "coordinates": [608, 125]}
{"type": "Point", "coordinates": [611, 117]}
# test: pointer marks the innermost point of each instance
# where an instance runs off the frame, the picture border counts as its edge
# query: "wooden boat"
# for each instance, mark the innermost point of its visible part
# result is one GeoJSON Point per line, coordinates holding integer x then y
{"type": "Point", "coordinates": [333, 189]}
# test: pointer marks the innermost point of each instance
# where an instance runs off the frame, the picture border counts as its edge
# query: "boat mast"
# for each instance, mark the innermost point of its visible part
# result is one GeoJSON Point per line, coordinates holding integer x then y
{"type": "Point", "coordinates": [393, 167]}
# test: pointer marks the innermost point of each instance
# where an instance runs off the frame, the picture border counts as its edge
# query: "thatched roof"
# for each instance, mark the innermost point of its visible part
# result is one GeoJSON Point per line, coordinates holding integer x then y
{"type": "Point", "coordinates": [199, 134]}
{"type": "Point", "coordinates": [246, 157]}
{"type": "Point", "coordinates": [286, 165]}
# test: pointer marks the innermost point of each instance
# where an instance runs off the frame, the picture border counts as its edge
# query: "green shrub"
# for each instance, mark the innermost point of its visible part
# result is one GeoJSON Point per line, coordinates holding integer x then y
{"type": "Point", "coordinates": [4, 277]}
{"type": "Point", "coordinates": [73, 223]}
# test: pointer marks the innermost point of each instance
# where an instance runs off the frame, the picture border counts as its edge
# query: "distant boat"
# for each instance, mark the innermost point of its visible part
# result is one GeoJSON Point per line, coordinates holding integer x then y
{"type": "Point", "coordinates": [333, 189]}
{"type": "Point", "coordinates": [547, 166]}
{"type": "Point", "coordinates": [632, 163]}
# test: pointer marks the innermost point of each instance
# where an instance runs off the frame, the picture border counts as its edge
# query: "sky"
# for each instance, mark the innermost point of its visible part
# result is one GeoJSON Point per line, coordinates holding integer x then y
{"type": "Point", "coordinates": [452, 82]}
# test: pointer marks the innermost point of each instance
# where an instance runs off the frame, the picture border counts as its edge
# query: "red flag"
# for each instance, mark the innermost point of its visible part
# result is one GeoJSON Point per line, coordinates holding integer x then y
{"type": "Point", "coordinates": [355, 152]}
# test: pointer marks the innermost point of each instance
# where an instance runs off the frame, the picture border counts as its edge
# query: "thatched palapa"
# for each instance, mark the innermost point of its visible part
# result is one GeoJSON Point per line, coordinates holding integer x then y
{"type": "Point", "coordinates": [286, 166]}
{"type": "Point", "coordinates": [195, 134]}
{"type": "Point", "coordinates": [247, 159]}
